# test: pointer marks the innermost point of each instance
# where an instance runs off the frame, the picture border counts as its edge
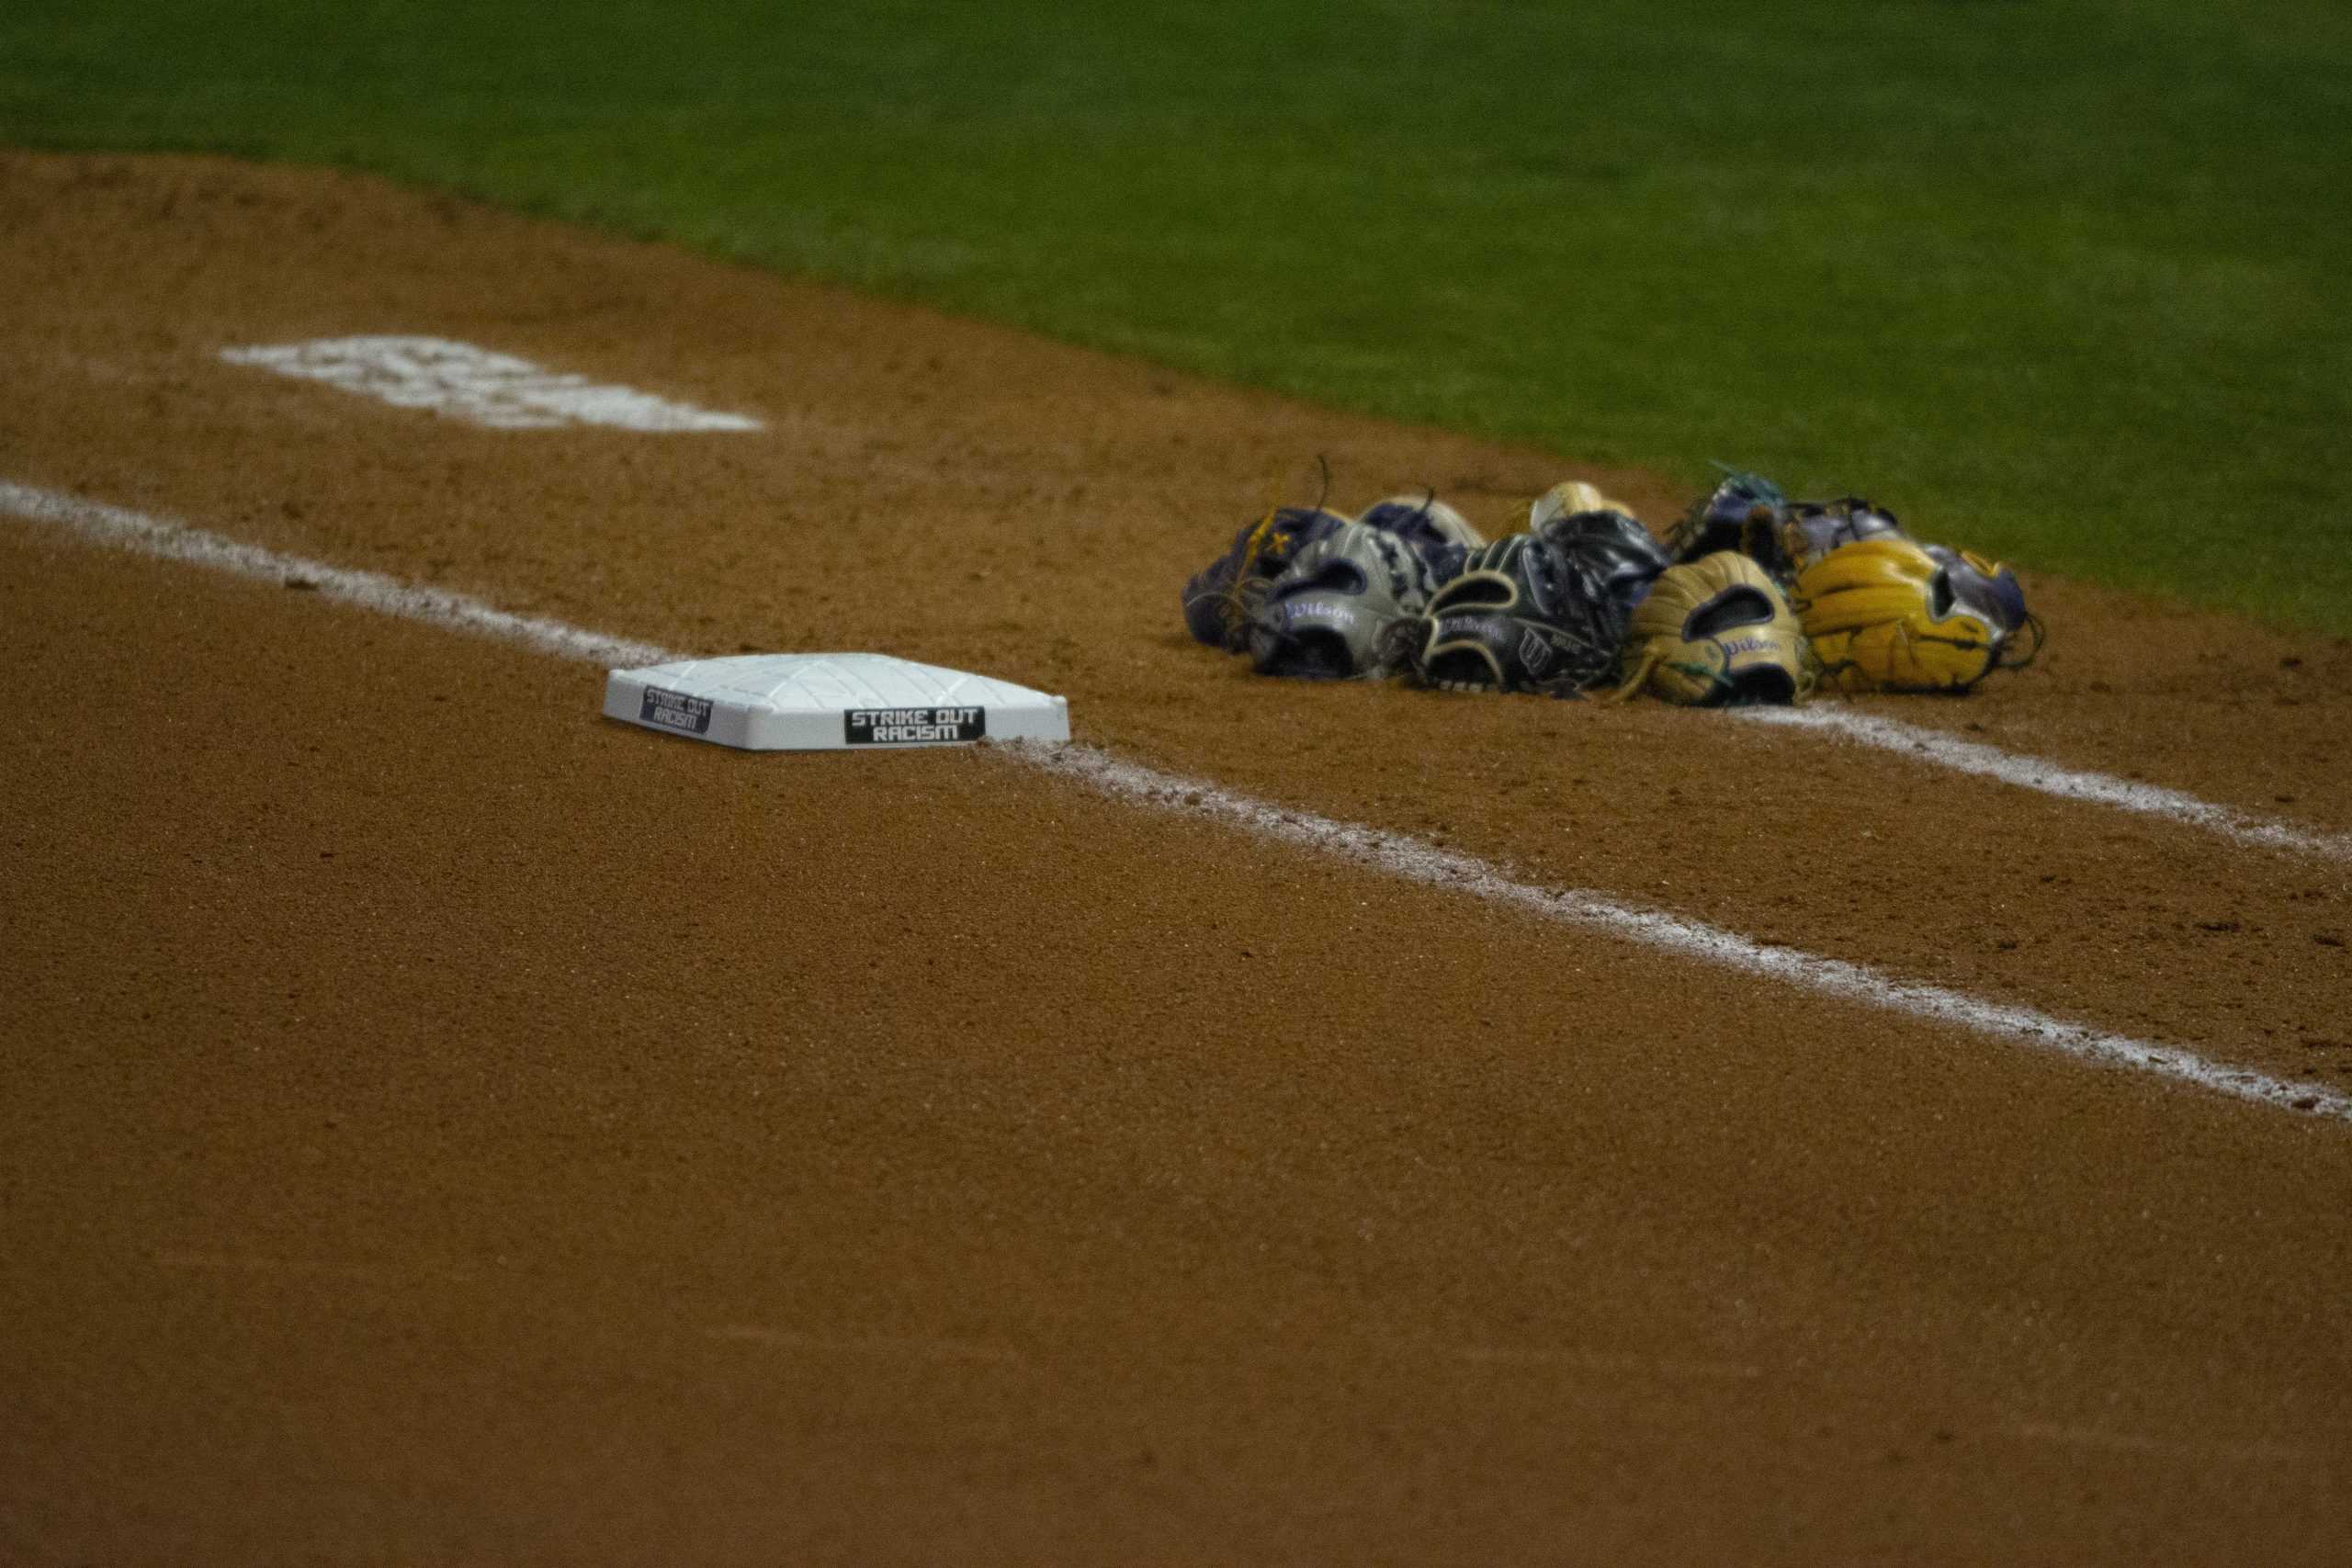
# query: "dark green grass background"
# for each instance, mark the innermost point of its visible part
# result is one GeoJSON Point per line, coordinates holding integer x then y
{"type": "Point", "coordinates": [2064, 279]}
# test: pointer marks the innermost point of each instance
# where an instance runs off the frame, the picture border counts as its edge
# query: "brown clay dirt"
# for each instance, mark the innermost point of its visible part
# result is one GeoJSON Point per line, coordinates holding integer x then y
{"type": "Point", "coordinates": [444, 1126]}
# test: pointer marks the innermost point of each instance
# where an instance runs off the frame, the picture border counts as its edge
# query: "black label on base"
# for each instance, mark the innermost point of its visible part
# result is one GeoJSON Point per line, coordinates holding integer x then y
{"type": "Point", "coordinates": [913, 726]}
{"type": "Point", "coordinates": [675, 710]}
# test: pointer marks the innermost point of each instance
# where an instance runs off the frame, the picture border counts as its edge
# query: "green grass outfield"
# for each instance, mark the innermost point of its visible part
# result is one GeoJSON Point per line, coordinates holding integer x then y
{"type": "Point", "coordinates": [2069, 281]}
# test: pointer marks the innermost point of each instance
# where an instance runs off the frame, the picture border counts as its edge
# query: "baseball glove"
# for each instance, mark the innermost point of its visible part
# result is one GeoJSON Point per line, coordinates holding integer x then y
{"type": "Point", "coordinates": [1522, 616]}
{"type": "Point", "coordinates": [1716, 632]}
{"type": "Point", "coordinates": [1329, 616]}
{"type": "Point", "coordinates": [1744, 512]}
{"type": "Point", "coordinates": [1610, 550]}
{"type": "Point", "coordinates": [1567, 499]}
{"type": "Point", "coordinates": [1219, 598]}
{"type": "Point", "coordinates": [1886, 615]}
{"type": "Point", "coordinates": [1811, 529]}
{"type": "Point", "coordinates": [1442, 536]}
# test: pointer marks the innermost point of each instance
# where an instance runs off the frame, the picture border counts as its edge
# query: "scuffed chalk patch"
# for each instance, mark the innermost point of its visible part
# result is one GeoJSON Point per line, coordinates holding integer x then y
{"type": "Point", "coordinates": [1416, 861]}
{"type": "Point", "coordinates": [478, 386]}
{"type": "Point", "coordinates": [1925, 745]}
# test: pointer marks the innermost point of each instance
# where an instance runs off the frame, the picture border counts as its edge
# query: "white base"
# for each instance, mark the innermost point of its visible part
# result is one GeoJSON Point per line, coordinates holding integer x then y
{"type": "Point", "coordinates": [830, 702]}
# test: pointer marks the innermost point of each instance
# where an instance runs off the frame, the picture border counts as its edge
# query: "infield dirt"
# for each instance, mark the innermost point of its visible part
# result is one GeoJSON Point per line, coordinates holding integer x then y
{"type": "Point", "coordinates": [443, 1126]}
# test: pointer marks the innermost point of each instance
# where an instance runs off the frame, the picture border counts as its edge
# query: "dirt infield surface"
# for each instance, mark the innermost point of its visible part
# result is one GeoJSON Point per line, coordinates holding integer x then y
{"type": "Point", "coordinates": [445, 1126]}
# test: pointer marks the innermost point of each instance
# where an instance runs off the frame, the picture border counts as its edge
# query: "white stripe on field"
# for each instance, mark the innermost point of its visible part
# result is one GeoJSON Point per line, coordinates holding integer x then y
{"type": "Point", "coordinates": [129, 530]}
{"type": "Point", "coordinates": [2034, 772]}
{"type": "Point", "coordinates": [1393, 853]}
{"type": "Point", "coordinates": [1416, 861]}
{"type": "Point", "coordinates": [478, 386]}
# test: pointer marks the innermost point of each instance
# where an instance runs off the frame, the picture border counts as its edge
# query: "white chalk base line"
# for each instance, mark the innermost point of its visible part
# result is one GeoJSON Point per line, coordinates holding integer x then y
{"type": "Point", "coordinates": [1394, 854]}
{"type": "Point", "coordinates": [2033, 772]}
{"type": "Point", "coordinates": [1416, 861]}
{"type": "Point", "coordinates": [124, 530]}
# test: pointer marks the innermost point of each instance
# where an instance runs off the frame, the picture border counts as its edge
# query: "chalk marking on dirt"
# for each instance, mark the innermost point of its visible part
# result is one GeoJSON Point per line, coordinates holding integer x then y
{"type": "Point", "coordinates": [1393, 853]}
{"type": "Point", "coordinates": [1974, 757]}
{"type": "Point", "coordinates": [477, 385]}
{"type": "Point", "coordinates": [1416, 861]}
{"type": "Point", "coordinates": [124, 530]}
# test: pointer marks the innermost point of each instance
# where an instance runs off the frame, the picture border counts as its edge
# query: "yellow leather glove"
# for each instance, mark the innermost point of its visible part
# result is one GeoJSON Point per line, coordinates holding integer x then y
{"type": "Point", "coordinates": [1886, 615]}
{"type": "Point", "coordinates": [1717, 632]}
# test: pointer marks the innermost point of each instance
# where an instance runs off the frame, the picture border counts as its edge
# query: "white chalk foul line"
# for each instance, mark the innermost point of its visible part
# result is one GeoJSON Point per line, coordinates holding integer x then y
{"type": "Point", "coordinates": [1416, 861]}
{"type": "Point", "coordinates": [2068, 784]}
{"type": "Point", "coordinates": [124, 529]}
{"type": "Point", "coordinates": [1393, 853]}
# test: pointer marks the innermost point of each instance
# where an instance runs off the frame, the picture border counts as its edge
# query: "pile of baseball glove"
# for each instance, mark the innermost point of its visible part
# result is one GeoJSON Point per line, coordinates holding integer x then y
{"type": "Point", "coordinates": [1750, 597]}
